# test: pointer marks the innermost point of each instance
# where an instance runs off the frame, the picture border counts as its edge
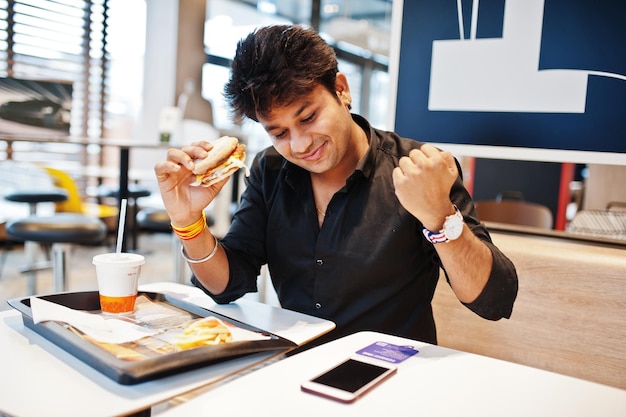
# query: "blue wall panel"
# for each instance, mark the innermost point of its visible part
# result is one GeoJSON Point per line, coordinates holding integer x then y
{"type": "Point", "coordinates": [582, 40]}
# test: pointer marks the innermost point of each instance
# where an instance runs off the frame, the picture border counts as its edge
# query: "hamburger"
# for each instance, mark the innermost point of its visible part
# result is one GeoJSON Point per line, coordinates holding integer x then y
{"type": "Point", "coordinates": [223, 160]}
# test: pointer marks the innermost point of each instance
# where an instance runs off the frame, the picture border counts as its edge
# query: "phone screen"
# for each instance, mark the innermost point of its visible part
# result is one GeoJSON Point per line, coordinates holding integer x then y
{"type": "Point", "coordinates": [350, 375]}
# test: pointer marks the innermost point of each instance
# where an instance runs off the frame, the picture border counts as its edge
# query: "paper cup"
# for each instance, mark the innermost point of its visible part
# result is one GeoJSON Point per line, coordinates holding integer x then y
{"type": "Point", "coordinates": [118, 278]}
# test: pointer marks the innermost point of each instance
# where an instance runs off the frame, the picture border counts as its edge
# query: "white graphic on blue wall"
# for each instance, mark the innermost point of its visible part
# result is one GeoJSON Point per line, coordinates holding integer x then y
{"type": "Point", "coordinates": [502, 74]}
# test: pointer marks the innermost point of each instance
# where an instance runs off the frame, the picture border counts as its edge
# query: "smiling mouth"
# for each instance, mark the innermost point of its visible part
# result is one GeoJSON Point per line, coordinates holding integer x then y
{"type": "Point", "coordinates": [315, 155]}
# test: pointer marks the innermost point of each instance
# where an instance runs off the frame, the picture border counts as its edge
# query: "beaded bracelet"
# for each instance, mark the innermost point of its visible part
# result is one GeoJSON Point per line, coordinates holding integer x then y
{"type": "Point", "coordinates": [191, 231]}
{"type": "Point", "coordinates": [199, 261]}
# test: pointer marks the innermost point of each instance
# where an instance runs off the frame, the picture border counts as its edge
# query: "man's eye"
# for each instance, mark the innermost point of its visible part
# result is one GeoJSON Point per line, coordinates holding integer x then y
{"type": "Point", "coordinates": [309, 118]}
{"type": "Point", "coordinates": [280, 134]}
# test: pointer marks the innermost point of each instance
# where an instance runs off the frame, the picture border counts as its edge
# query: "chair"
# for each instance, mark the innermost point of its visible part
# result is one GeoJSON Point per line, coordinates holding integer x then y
{"type": "Point", "coordinates": [75, 203]}
{"type": "Point", "coordinates": [616, 206]}
{"type": "Point", "coordinates": [28, 183]}
{"type": "Point", "coordinates": [60, 230]}
{"type": "Point", "coordinates": [33, 197]}
{"type": "Point", "coordinates": [26, 190]}
{"type": "Point", "coordinates": [134, 193]}
{"type": "Point", "coordinates": [24, 182]}
{"type": "Point", "coordinates": [154, 220]}
{"type": "Point", "coordinates": [510, 195]}
{"type": "Point", "coordinates": [522, 213]}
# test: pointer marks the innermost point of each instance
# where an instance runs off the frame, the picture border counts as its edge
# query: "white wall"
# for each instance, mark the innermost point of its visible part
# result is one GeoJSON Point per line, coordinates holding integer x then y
{"type": "Point", "coordinates": [160, 64]}
{"type": "Point", "coordinates": [159, 84]}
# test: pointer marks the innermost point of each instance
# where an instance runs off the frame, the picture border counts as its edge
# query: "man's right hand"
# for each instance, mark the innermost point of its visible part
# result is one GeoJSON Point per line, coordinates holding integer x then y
{"type": "Point", "coordinates": [184, 203]}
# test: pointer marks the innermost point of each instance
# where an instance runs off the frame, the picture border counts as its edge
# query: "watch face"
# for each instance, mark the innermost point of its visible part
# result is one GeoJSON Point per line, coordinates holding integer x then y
{"type": "Point", "coordinates": [453, 226]}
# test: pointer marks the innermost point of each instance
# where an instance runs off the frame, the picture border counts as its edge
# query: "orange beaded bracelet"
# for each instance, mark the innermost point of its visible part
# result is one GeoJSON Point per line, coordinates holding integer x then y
{"type": "Point", "coordinates": [191, 231]}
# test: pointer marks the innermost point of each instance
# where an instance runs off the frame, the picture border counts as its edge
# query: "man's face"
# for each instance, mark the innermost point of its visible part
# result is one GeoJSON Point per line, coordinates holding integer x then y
{"type": "Point", "coordinates": [313, 132]}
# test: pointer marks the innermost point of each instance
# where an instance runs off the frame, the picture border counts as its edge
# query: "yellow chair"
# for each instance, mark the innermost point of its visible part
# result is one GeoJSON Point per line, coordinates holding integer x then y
{"type": "Point", "coordinates": [76, 204]}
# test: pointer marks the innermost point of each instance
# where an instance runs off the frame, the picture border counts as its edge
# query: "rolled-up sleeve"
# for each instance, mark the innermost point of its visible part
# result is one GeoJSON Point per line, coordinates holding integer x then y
{"type": "Point", "coordinates": [498, 296]}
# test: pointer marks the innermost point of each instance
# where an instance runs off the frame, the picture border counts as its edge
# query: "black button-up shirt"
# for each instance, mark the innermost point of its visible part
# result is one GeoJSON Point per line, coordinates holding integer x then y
{"type": "Point", "coordinates": [368, 267]}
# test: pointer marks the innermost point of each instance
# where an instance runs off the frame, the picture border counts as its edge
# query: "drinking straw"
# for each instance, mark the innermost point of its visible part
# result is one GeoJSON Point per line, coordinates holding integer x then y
{"type": "Point", "coordinates": [120, 226]}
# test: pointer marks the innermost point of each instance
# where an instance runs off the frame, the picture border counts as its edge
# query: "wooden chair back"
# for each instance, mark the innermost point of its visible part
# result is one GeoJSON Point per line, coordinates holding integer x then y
{"type": "Point", "coordinates": [521, 213]}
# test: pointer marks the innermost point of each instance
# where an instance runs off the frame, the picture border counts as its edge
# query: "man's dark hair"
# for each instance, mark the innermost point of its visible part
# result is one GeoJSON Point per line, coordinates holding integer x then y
{"type": "Point", "coordinates": [276, 65]}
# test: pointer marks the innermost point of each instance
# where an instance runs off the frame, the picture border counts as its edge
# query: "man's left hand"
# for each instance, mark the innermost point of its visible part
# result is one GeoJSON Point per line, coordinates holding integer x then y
{"type": "Point", "coordinates": [423, 181]}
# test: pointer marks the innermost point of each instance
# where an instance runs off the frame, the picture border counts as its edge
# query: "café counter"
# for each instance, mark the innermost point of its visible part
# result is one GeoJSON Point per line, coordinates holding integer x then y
{"type": "Point", "coordinates": [569, 313]}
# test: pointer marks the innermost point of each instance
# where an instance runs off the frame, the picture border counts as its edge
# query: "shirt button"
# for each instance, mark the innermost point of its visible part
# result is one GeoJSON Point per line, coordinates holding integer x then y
{"type": "Point", "coordinates": [319, 262]}
{"type": "Point", "coordinates": [318, 306]}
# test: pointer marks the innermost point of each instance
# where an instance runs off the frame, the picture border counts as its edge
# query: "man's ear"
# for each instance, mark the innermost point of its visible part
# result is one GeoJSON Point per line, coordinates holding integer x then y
{"type": "Point", "coordinates": [343, 89]}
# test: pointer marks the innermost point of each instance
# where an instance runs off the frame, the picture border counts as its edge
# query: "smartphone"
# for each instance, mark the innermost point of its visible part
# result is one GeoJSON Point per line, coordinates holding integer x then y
{"type": "Point", "coordinates": [349, 380]}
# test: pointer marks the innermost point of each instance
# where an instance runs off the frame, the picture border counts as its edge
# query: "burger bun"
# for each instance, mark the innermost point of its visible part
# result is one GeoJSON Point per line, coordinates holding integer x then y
{"type": "Point", "coordinates": [224, 159]}
{"type": "Point", "coordinates": [221, 151]}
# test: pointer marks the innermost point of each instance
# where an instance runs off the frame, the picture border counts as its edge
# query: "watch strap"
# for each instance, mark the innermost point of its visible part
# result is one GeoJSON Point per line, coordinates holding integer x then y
{"type": "Point", "coordinates": [440, 236]}
{"type": "Point", "coordinates": [435, 237]}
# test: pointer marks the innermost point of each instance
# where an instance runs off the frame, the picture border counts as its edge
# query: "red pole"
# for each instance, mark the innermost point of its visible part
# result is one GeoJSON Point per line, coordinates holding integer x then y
{"type": "Point", "coordinates": [567, 176]}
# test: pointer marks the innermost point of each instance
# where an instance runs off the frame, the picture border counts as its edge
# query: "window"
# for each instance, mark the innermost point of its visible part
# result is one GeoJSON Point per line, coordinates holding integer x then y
{"type": "Point", "coordinates": [90, 43]}
{"type": "Point", "coordinates": [61, 41]}
{"type": "Point", "coordinates": [359, 32]}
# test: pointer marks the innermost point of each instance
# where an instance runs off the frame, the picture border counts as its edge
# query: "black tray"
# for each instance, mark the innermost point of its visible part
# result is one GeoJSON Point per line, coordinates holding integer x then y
{"type": "Point", "coordinates": [133, 372]}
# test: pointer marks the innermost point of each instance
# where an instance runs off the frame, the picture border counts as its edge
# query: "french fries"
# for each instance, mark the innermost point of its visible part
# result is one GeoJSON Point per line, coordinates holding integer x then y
{"type": "Point", "coordinates": [203, 332]}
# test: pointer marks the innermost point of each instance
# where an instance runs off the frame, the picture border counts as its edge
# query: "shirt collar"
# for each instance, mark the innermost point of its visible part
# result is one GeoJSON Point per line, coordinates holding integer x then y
{"type": "Point", "coordinates": [366, 164]}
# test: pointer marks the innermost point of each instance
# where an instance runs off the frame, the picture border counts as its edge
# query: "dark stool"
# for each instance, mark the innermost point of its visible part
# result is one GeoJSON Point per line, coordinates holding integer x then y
{"type": "Point", "coordinates": [157, 220]}
{"type": "Point", "coordinates": [61, 230]}
{"type": "Point", "coordinates": [154, 220]}
{"type": "Point", "coordinates": [134, 192]}
{"type": "Point", "coordinates": [34, 197]}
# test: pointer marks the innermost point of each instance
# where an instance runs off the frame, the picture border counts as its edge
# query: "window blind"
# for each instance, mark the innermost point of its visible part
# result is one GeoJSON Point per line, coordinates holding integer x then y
{"type": "Point", "coordinates": [60, 40]}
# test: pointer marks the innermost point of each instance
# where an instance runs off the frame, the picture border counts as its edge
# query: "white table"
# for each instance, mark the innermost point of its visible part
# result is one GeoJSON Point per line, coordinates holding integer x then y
{"type": "Point", "coordinates": [38, 378]}
{"type": "Point", "coordinates": [435, 382]}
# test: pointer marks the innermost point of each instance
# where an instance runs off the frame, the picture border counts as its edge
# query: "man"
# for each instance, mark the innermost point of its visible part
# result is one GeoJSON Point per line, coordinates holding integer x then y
{"type": "Point", "coordinates": [353, 222]}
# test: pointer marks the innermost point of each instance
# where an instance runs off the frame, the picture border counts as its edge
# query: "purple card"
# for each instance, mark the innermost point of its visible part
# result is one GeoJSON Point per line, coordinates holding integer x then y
{"type": "Point", "coordinates": [388, 352]}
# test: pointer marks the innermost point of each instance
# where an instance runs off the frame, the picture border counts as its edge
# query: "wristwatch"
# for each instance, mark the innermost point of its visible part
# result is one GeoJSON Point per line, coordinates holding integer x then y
{"type": "Point", "coordinates": [452, 229]}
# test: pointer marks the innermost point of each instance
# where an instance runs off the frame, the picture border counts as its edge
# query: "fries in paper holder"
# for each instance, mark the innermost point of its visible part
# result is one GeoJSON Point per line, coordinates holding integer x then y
{"type": "Point", "coordinates": [203, 332]}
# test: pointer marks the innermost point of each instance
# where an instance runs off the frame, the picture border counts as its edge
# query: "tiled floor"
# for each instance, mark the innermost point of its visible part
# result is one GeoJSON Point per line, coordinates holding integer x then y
{"type": "Point", "coordinates": [159, 267]}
